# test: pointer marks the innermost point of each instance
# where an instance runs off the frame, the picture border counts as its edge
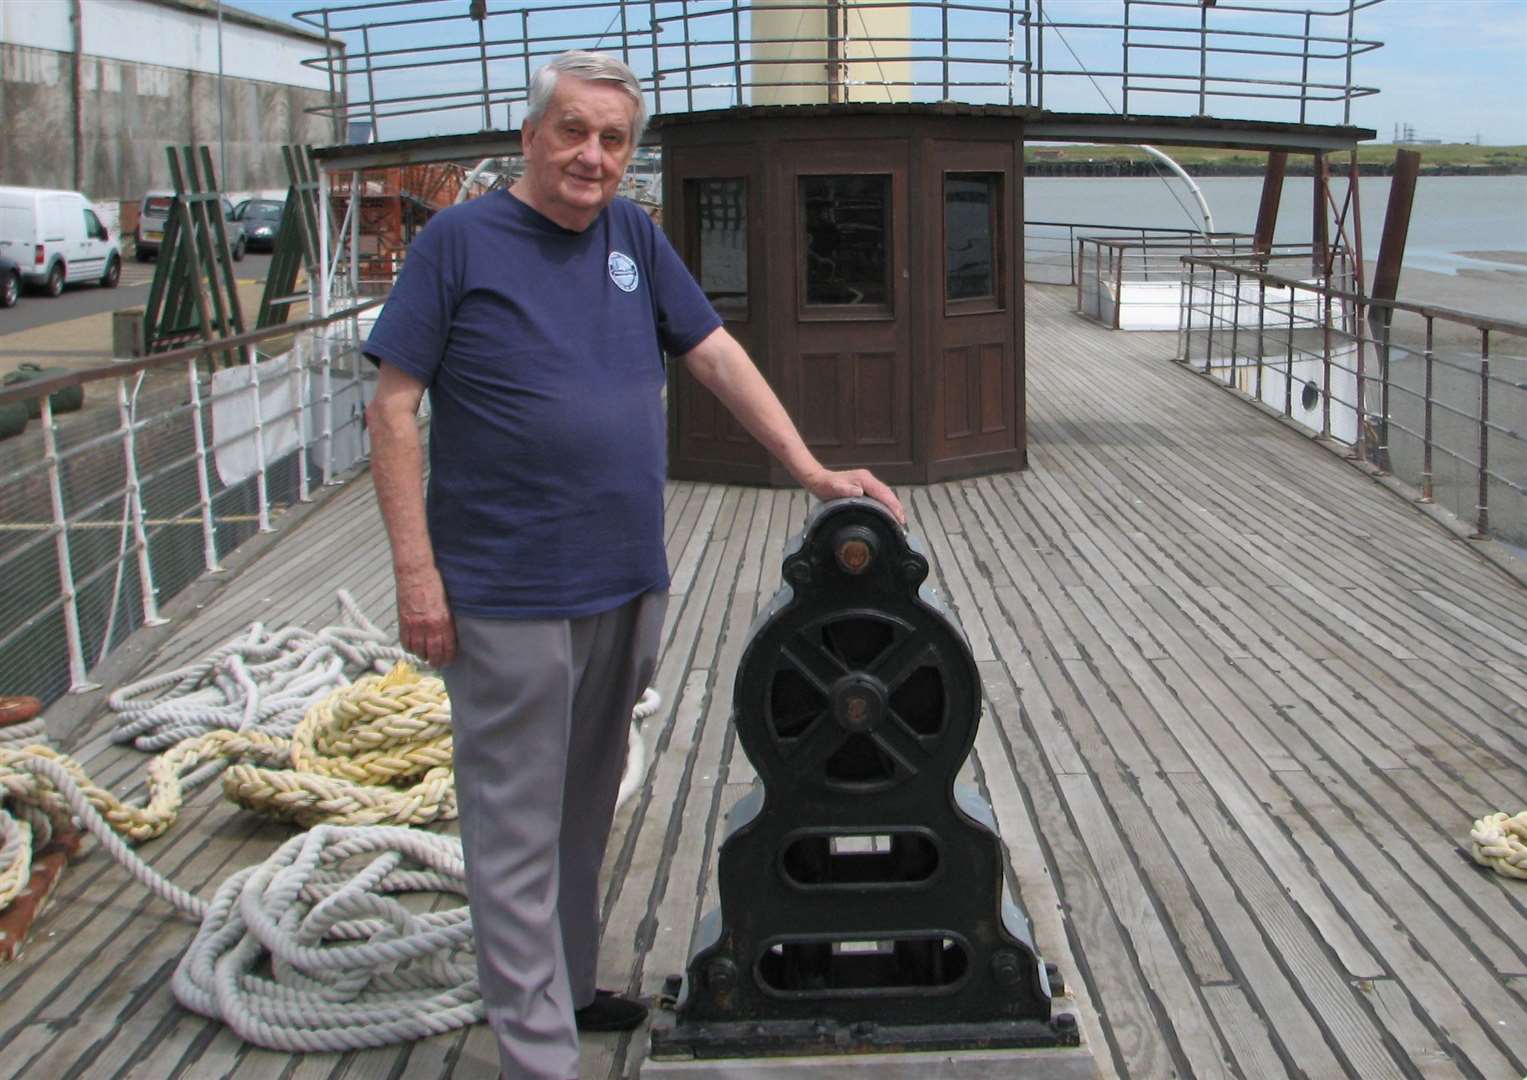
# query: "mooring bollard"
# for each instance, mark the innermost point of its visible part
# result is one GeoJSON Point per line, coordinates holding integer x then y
{"type": "Point", "coordinates": [863, 905]}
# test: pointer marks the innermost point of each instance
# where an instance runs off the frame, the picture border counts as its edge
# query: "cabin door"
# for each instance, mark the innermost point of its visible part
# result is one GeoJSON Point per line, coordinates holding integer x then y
{"type": "Point", "coordinates": [846, 355]}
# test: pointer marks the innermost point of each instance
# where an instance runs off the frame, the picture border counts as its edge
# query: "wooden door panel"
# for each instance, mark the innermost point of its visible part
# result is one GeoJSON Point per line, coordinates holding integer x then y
{"type": "Point", "coordinates": [849, 368]}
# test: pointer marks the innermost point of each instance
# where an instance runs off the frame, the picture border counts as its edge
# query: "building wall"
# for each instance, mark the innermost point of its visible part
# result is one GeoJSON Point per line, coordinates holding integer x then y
{"type": "Point", "coordinates": [148, 78]}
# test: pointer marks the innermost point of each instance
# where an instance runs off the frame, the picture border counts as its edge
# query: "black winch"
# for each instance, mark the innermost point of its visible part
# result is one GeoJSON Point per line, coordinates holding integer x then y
{"type": "Point", "coordinates": [863, 905]}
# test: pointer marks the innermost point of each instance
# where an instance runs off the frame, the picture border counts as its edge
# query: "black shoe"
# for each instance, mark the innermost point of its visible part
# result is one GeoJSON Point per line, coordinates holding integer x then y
{"type": "Point", "coordinates": [610, 1012]}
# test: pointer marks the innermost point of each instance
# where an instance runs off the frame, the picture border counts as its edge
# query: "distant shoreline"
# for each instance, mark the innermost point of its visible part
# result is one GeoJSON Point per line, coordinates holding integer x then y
{"type": "Point", "coordinates": [1451, 159]}
{"type": "Point", "coordinates": [1126, 168]}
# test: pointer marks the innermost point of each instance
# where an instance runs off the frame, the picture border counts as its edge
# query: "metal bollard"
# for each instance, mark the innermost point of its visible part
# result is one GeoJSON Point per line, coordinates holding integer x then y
{"type": "Point", "coordinates": [862, 897]}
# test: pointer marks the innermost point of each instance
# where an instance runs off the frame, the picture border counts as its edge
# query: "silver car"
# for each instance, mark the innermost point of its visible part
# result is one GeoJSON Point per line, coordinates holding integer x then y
{"type": "Point", "coordinates": [154, 215]}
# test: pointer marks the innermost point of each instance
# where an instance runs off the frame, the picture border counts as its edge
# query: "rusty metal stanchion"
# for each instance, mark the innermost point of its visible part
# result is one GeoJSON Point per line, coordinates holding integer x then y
{"type": "Point", "coordinates": [863, 904]}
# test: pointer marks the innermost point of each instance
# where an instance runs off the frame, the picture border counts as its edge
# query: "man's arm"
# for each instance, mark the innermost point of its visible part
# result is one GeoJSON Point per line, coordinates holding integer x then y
{"type": "Point", "coordinates": [425, 626]}
{"type": "Point", "coordinates": [724, 368]}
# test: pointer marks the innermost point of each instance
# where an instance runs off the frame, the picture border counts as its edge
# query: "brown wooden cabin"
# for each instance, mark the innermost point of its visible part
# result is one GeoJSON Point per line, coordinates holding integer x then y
{"type": "Point", "coordinates": [869, 257]}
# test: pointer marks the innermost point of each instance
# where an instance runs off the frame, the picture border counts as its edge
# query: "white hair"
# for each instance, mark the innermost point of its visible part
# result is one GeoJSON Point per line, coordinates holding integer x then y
{"type": "Point", "coordinates": [590, 67]}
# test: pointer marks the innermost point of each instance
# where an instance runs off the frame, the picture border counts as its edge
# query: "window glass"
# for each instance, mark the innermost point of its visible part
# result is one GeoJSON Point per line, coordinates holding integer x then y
{"type": "Point", "coordinates": [720, 213]}
{"type": "Point", "coordinates": [93, 226]}
{"type": "Point", "coordinates": [847, 221]}
{"type": "Point", "coordinates": [970, 229]}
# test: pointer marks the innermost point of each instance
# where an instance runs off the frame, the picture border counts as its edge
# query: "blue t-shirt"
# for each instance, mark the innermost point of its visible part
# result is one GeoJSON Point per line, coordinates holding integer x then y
{"type": "Point", "coordinates": [542, 349]}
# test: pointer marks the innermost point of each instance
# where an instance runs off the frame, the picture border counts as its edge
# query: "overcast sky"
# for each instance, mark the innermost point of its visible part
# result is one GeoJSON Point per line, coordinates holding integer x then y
{"type": "Point", "coordinates": [1454, 70]}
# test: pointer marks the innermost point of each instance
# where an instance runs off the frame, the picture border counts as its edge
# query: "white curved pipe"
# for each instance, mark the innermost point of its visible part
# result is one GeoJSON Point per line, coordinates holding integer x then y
{"type": "Point", "coordinates": [471, 178]}
{"type": "Point", "coordinates": [1203, 205]}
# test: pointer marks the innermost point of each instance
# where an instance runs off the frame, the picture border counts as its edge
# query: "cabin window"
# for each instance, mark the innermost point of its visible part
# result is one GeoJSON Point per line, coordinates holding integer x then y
{"type": "Point", "coordinates": [971, 223]}
{"type": "Point", "coordinates": [847, 225]}
{"type": "Point", "coordinates": [719, 250]}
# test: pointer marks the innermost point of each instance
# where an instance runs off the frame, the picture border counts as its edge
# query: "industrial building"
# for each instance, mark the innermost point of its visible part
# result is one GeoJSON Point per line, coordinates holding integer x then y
{"type": "Point", "coordinates": [92, 91]}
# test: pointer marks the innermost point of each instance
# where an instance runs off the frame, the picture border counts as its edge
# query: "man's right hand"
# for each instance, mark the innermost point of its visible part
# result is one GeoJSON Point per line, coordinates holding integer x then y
{"type": "Point", "coordinates": [425, 626]}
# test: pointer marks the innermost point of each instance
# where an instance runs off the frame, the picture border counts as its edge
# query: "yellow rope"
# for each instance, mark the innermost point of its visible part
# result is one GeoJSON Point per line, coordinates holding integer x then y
{"type": "Point", "coordinates": [375, 752]}
{"type": "Point", "coordinates": [1500, 842]}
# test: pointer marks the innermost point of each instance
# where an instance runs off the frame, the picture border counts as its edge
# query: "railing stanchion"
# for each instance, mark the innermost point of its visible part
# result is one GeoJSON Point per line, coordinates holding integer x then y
{"type": "Point", "coordinates": [1325, 391]}
{"type": "Point", "coordinates": [1261, 331]}
{"type": "Point", "coordinates": [296, 372]}
{"type": "Point", "coordinates": [78, 683]}
{"type": "Point", "coordinates": [1185, 315]}
{"type": "Point", "coordinates": [1209, 336]}
{"type": "Point", "coordinates": [134, 496]}
{"type": "Point", "coordinates": [262, 489]}
{"type": "Point", "coordinates": [203, 483]}
{"type": "Point", "coordinates": [1426, 423]}
{"type": "Point", "coordinates": [326, 397]}
{"type": "Point", "coordinates": [1235, 327]}
{"type": "Point", "coordinates": [1117, 255]}
{"type": "Point", "coordinates": [1288, 358]}
{"type": "Point", "coordinates": [1385, 375]}
{"type": "Point", "coordinates": [1484, 435]}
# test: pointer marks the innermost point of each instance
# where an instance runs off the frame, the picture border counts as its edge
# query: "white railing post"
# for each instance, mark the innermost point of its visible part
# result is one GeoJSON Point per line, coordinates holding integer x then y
{"type": "Point", "coordinates": [298, 376]}
{"type": "Point", "coordinates": [262, 490]}
{"type": "Point", "coordinates": [135, 506]}
{"type": "Point", "coordinates": [78, 683]}
{"type": "Point", "coordinates": [326, 367]}
{"type": "Point", "coordinates": [203, 483]}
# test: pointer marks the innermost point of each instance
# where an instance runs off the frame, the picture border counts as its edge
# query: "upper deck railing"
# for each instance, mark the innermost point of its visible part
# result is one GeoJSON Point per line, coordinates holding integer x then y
{"type": "Point", "coordinates": [414, 68]}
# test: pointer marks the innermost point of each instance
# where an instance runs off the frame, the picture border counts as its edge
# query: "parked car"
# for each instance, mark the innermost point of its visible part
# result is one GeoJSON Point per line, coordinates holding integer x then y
{"type": "Point", "coordinates": [262, 221]}
{"type": "Point", "coordinates": [56, 239]}
{"type": "Point", "coordinates": [10, 282]}
{"type": "Point", "coordinates": [154, 216]}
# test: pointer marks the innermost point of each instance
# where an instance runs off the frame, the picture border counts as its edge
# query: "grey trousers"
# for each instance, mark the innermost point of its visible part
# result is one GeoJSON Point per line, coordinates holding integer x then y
{"type": "Point", "coordinates": [540, 715]}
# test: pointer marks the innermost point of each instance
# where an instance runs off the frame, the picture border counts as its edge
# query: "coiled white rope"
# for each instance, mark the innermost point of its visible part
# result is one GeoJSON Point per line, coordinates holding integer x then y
{"type": "Point", "coordinates": [259, 681]}
{"type": "Point", "coordinates": [1500, 842]}
{"type": "Point", "coordinates": [349, 965]}
{"type": "Point", "coordinates": [307, 951]}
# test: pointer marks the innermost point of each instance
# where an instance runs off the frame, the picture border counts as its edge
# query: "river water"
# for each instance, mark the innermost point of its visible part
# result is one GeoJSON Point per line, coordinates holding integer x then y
{"type": "Point", "coordinates": [1470, 228]}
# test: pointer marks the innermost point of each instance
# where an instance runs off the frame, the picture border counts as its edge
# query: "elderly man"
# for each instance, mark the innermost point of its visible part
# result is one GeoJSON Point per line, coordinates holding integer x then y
{"type": "Point", "coordinates": [537, 579]}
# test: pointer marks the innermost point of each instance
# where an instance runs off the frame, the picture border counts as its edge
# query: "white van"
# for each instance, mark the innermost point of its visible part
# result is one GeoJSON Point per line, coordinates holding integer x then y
{"type": "Point", "coordinates": [56, 239]}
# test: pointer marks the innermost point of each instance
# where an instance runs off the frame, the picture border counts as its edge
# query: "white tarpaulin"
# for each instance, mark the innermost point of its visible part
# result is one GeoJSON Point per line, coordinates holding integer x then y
{"type": "Point", "coordinates": [233, 416]}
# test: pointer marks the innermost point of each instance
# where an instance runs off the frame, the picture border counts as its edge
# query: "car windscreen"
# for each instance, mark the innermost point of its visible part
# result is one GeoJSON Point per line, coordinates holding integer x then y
{"type": "Point", "coordinates": [269, 211]}
{"type": "Point", "coordinates": [158, 204]}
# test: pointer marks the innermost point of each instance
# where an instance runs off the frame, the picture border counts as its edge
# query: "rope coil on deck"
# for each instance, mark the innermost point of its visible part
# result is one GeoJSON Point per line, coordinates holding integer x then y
{"type": "Point", "coordinates": [1499, 841]}
{"type": "Point", "coordinates": [377, 751]}
{"type": "Point", "coordinates": [350, 966]}
{"type": "Point", "coordinates": [259, 680]}
{"type": "Point", "coordinates": [305, 951]}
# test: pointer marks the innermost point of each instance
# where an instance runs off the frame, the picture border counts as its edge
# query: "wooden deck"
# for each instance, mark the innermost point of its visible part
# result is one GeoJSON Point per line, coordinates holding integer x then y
{"type": "Point", "coordinates": [1242, 706]}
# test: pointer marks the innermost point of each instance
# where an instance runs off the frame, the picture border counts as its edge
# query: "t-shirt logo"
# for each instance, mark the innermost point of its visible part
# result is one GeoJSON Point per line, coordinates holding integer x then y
{"type": "Point", "coordinates": [623, 271]}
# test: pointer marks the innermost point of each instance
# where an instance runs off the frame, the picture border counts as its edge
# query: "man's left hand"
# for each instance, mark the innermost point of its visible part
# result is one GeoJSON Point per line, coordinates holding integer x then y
{"type": "Point", "coordinates": [851, 483]}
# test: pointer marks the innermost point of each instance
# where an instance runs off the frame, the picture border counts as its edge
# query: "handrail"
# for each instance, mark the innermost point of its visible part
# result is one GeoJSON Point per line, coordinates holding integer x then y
{"type": "Point", "coordinates": [1436, 311]}
{"type": "Point", "coordinates": [1369, 374]}
{"type": "Point", "coordinates": [703, 54]}
{"type": "Point", "coordinates": [36, 388]}
{"type": "Point", "coordinates": [115, 509]}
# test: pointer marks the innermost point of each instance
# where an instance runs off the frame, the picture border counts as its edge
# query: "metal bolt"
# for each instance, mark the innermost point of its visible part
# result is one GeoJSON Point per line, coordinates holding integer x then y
{"type": "Point", "coordinates": [798, 572]}
{"type": "Point", "coordinates": [721, 976]}
{"type": "Point", "coordinates": [1065, 1021]}
{"type": "Point", "coordinates": [1006, 969]}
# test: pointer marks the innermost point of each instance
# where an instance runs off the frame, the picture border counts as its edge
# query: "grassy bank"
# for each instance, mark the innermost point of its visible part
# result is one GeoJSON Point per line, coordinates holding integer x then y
{"type": "Point", "coordinates": [1446, 158]}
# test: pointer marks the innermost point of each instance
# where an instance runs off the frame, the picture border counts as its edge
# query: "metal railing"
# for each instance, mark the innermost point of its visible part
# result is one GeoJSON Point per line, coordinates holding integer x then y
{"type": "Point", "coordinates": [1110, 267]}
{"type": "Point", "coordinates": [1435, 396]}
{"type": "Point", "coordinates": [455, 71]}
{"type": "Point", "coordinates": [175, 460]}
{"type": "Point", "coordinates": [1050, 247]}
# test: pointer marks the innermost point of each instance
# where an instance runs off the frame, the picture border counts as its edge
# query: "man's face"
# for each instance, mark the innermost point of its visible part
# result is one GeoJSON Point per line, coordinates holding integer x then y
{"type": "Point", "coordinates": [577, 152]}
